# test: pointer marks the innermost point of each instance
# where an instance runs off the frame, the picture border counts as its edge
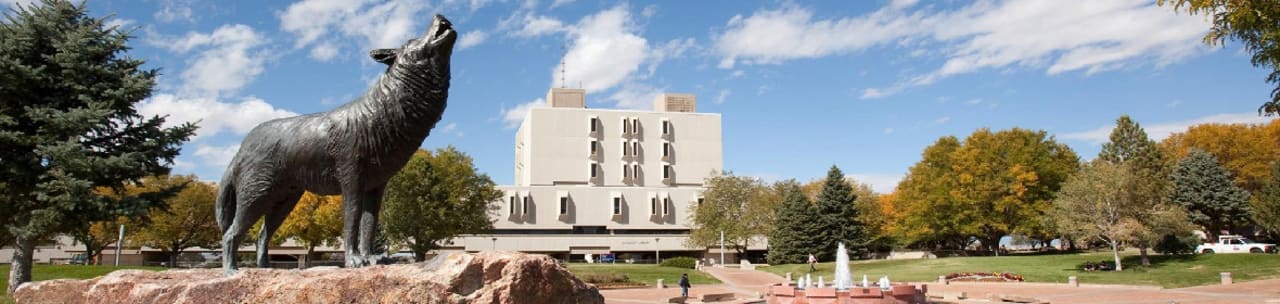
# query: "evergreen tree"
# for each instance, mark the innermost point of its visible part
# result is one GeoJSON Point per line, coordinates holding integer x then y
{"type": "Point", "coordinates": [1155, 217]}
{"type": "Point", "coordinates": [838, 216]}
{"type": "Point", "coordinates": [1205, 189]}
{"type": "Point", "coordinates": [795, 226]}
{"type": "Point", "coordinates": [1266, 206]}
{"type": "Point", "coordinates": [68, 125]}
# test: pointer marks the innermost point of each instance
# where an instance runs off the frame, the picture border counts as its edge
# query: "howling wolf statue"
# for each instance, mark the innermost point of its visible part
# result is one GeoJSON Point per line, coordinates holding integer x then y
{"type": "Point", "coordinates": [352, 150]}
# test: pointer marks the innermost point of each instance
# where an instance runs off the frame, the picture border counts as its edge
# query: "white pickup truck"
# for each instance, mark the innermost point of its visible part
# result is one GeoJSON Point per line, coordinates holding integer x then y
{"type": "Point", "coordinates": [1235, 244]}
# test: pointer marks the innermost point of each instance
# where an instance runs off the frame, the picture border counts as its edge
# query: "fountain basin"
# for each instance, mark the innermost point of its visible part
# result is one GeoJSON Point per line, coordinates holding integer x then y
{"type": "Point", "coordinates": [898, 293]}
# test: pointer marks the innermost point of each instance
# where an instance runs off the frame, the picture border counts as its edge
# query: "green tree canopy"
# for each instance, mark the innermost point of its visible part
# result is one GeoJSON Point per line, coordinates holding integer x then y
{"type": "Point", "coordinates": [739, 206]}
{"type": "Point", "coordinates": [434, 198]}
{"type": "Point", "coordinates": [1205, 189]}
{"type": "Point", "coordinates": [796, 225]}
{"type": "Point", "coordinates": [1148, 190]}
{"type": "Point", "coordinates": [188, 221]}
{"type": "Point", "coordinates": [1253, 23]}
{"type": "Point", "coordinates": [68, 125]}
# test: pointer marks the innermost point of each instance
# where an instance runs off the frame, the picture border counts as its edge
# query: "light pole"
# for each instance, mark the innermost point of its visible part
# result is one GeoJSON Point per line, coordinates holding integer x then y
{"type": "Point", "coordinates": [119, 242]}
{"type": "Point", "coordinates": [722, 247]}
{"type": "Point", "coordinates": [657, 252]}
{"type": "Point", "coordinates": [495, 244]}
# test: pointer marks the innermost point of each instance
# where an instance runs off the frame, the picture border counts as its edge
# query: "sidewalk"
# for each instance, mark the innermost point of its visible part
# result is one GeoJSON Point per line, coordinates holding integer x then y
{"type": "Point", "coordinates": [747, 283]}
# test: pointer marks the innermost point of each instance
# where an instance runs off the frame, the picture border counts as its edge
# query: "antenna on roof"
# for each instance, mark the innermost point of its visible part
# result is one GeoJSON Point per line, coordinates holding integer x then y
{"type": "Point", "coordinates": [563, 54]}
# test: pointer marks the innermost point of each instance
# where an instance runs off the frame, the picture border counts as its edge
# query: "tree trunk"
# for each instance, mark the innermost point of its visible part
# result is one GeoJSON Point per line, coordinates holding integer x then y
{"type": "Point", "coordinates": [1142, 250]}
{"type": "Point", "coordinates": [20, 269]}
{"type": "Point", "coordinates": [173, 258]}
{"type": "Point", "coordinates": [306, 259]}
{"type": "Point", "coordinates": [1115, 252]}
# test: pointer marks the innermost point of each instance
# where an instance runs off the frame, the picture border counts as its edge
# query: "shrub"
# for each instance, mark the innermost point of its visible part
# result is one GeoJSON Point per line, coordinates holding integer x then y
{"type": "Point", "coordinates": [597, 278]}
{"type": "Point", "coordinates": [1173, 244]}
{"type": "Point", "coordinates": [681, 262]}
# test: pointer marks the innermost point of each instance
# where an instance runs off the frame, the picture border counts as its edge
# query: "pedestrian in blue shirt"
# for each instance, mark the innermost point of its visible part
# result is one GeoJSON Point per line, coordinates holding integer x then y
{"type": "Point", "coordinates": [684, 285]}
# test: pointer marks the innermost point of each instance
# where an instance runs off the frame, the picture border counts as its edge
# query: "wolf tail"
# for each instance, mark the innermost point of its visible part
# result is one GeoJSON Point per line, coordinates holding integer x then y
{"type": "Point", "coordinates": [226, 203]}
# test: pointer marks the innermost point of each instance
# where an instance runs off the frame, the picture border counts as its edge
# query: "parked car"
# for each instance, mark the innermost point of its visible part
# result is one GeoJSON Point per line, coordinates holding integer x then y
{"type": "Point", "coordinates": [1235, 244]}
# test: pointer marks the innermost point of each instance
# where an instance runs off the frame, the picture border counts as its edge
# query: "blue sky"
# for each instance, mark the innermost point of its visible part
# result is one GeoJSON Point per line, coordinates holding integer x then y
{"type": "Point", "coordinates": [864, 85]}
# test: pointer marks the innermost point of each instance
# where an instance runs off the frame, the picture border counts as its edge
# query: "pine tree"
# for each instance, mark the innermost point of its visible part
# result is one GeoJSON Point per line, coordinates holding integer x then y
{"type": "Point", "coordinates": [838, 215]}
{"type": "Point", "coordinates": [1205, 189]}
{"type": "Point", "coordinates": [793, 237]}
{"type": "Point", "coordinates": [68, 125]}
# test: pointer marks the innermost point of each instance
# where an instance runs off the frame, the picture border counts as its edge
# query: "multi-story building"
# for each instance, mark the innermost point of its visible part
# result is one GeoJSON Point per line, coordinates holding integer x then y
{"type": "Point", "coordinates": [599, 181]}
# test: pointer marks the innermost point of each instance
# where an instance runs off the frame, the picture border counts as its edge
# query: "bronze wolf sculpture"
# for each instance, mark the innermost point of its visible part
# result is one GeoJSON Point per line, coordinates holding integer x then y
{"type": "Point", "coordinates": [352, 150]}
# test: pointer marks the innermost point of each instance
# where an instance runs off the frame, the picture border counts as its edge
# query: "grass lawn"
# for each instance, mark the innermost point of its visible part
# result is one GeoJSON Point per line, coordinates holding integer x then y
{"type": "Point", "coordinates": [49, 272]}
{"type": "Point", "coordinates": [1166, 271]}
{"type": "Point", "coordinates": [645, 273]}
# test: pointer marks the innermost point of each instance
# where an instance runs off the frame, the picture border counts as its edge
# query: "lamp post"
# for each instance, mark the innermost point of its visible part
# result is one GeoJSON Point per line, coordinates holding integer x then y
{"type": "Point", "coordinates": [721, 246]}
{"type": "Point", "coordinates": [657, 252]}
{"type": "Point", "coordinates": [119, 242]}
{"type": "Point", "coordinates": [495, 244]}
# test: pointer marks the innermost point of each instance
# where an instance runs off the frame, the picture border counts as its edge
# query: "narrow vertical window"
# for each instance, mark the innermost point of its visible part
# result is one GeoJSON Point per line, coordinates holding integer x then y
{"type": "Point", "coordinates": [593, 170]}
{"type": "Point", "coordinates": [653, 206]}
{"type": "Point", "coordinates": [666, 171]}
{"type": "Point", "coordinates": [593, 147]}
{"type": "Point", "coordinates": [564, 205]}
{"type": "Point", "coordinates": [666, 206]}
{"type": "Point", "coordinates": [666, 127]}
{"type": "Point", "coordinates": [666, 149]}
{"type": "Point", "coordinates": [511, 206]}
{"type": "Point", "coordinates": [617, 205]}
{"type": "Point", "coordinates": [524, 208]}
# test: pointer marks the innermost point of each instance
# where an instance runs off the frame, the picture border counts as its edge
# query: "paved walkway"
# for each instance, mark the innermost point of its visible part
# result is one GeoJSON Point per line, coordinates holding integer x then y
{"type": "Point", "coordinates": [748, 284]}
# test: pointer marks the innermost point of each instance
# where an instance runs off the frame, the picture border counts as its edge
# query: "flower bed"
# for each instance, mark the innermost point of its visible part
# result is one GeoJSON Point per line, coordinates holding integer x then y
{"type": "Point", "coordinates": [984, 277]}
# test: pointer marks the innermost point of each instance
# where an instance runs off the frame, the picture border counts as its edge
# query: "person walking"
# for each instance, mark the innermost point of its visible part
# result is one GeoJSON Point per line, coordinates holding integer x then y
{"type": "Point", "coordinates": [812, 262]}
{"type": "Point", "coordinates": [684, 285]}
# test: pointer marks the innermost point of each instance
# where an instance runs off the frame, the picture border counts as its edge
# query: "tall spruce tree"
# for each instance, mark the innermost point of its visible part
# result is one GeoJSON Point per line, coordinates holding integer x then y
{"type": "Point", "coordinates": [68, 125]}
{"type": "Point", "coordinates": [839, 217]}
{"type": "Point", "coordinates": [1133, 151]}
{"type": "Point", "coordinates": [795, 226]}
{"type": "Point", "coordinates": [1205, 189]}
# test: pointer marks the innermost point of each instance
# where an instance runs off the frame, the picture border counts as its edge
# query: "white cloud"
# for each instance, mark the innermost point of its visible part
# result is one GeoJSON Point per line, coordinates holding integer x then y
{"type": "Point", "coordinates": [212, 116]}
{"type": "Point", "coordinates": [880, 182]}
{"type": "Point", "coordinates": [174, 10]}
{"type": "Point", "coordinates": [901, 4]}
{"type": "Point", "coordinates": [324, 51]}
{"type": "Point", "coordinates": [888, 130]}
{"type": "Point", "coordinates": [605, 50]}
{"type": "Point", "coordinates": [1090, 36]}
{"type": "Point", "coordinates": [1160, 131]}
{"type": "Point", "coordinates": [974, 101]}
{"type": "Point", "coordinates": [230, 58]}
{"type": "Point", "coordinates": [372, 24]}
{"type": "Point", "coordinates": [529, 25]}
{"type": "Point", "coordinates": [514, 116]}
{"type": "Point", "coordinates": [451, 128]}
{"type": "Point", "coordinates": [216, 156]}
{"type": "Point", "coordinates": [721, 97]}
{"type": "Point", "coordinates": [635, 96]}
{"type": "Point", "coordinates": [472, 38]}
{"type": "Point", "coordinates": [557, 3]}
{"type": "Point", "coordinates": [940, 120]}
{"type": "Point", "coordinates": [121, 24]}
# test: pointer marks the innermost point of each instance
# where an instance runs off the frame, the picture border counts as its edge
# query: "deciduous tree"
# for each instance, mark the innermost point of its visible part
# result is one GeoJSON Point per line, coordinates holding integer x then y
{"type": "Point", "coordinates": [1266, 205]}
{"type": "Point", "coordinates": [1246, 150]}
{"type": "Point", "coordinates": [187, 222]}
{"type": "Point", "coordinates": [68, 125]}
{"type": "Point", "coordinates": [931, 216]}
{"type": "Point", "coordinates": [1141, 157]}
{"type": "Point", "coordinates": [436, 197]}
{"type": "Point", "coordinates": [1093, 205]}
{"type": "Point", "coordinates": [1253, 23]}
{"type": "Point", "coordinates": [315, 221]}
{"type": "Point", "coordinates": [1205, 189]}
{"type": "Point", "coordinates": [739, 206]}
{"type": "Point", "coordinates": [96, 237]}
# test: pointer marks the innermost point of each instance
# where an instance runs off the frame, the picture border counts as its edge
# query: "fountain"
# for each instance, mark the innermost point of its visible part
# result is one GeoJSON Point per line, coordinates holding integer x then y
{"type": "Point", "coordinates": [843, 278]}
{"type": "Point", "coordinates": [843, 290]}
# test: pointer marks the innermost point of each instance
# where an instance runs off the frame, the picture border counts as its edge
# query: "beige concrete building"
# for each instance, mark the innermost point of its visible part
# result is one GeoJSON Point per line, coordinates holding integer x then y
{"type": "Point", "coordinates": [600, 181]}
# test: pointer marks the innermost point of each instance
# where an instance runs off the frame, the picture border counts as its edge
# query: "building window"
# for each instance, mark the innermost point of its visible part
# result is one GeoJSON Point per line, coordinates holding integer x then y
{"type": "Point", "coordinates": [666, 127]}
{"type": "Point", "coordinates": [625, 173]}
{"type": "Point", "coordinates": [666, 171]}
{"type": "Point", "coordinates": [635, 125]}
{"type": "Point", "coordinates": [593, 147]}
{"type": "Point", "coordinates": [595, 122]}
{"type": "Point", "coordinates": [666, 149]}
{"type": "Point", "coordinates": [512, 206]}
{"type": "Point", "coordinates": [626, 127]}
{"type": "Point", "coordinates": [626, 150]}
{"type": "Point", "coordinates": [666, 205]}
{"type": "Point", "coordinates": [635, 148]}
{"type": "Point", "coordinates": [594, 168]}
{"type": "Point", "coordinates": [653, 206]}
{"type": "Point", "coordinates": [617, 206]}
{"type": "Point", "coordinates": [524, 209]}
{"type": "Point", "coordinates": [564, 205]}
{"type": "Point", "coordinates": [635, 170]}
{"type": "Point", "coordinates": [700, 201]}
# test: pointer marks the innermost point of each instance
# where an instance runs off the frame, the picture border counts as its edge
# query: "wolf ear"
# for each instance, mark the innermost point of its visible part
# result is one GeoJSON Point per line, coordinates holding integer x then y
{"type": "Point", "coordinates": [385, 56]}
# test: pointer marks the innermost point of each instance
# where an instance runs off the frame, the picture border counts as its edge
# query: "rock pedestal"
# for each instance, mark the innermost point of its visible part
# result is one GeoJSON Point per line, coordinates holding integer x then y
{"type": "Point", "coordinates": [489, 277]}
